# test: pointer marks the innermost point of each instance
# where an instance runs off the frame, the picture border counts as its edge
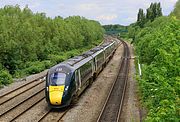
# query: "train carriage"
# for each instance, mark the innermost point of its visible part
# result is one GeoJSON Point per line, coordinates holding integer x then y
{"type": "Point", "coordinates": [108, 50]}
{"type": "Point", "coordinates": [67, 80]}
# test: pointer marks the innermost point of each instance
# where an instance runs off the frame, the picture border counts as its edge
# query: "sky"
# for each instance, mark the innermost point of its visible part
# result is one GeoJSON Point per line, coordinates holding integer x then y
{"type": "Point", "coordinates": [122, 12]}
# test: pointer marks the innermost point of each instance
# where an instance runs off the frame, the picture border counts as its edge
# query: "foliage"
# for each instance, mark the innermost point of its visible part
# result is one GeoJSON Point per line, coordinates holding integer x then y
{"type": "Point", "coordinates": [141, 18]}
{"type": "Point", "coordinates": [31, 42]}
{"type": "Point", "coordinates": [158, 48]}
{"type": "Point", "coordinates": [152, 12]}
{"type": "Point", "coordinates": [5, 77]}
{"type": "Point", "coordinates": [132, 31]}
{"type": "Point", "coordinates": [176, 11]}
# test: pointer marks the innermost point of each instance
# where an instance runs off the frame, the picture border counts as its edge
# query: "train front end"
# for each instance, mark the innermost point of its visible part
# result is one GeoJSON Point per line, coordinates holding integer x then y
{"type": "Point", "coordinates": [59, 87]}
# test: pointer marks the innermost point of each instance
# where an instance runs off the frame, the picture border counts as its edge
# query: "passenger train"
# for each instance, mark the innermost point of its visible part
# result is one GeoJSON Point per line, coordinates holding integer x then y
{"type": "Point", "coordinates": [67, 80]}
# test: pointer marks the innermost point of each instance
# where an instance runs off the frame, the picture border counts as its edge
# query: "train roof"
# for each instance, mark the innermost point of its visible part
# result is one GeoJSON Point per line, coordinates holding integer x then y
{"type": "Point", "coordinates": [89, 55]}
{"type": "Point", "coordinates": [60, 67]}
{"type": "Point", "coordinates": [80, 60]}
{"type": "Point", "coordinates": [77, 61]}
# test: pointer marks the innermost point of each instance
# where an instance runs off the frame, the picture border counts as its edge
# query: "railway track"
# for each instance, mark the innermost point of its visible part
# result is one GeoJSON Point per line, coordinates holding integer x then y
{"type": "Point", "coordinates": [53, 115]}
{"type": "Point", "coordinates": [17, 92]}
{"type": "Point", "coordinates": [15, 102]}
{"type": "Point", "coordinates": [21, 87]}
{"type": "Point", "coordinates": [111, 110]}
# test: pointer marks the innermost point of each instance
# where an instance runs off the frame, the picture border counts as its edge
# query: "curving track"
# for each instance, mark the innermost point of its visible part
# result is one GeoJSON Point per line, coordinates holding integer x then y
{"type": "Point", "coordinates": [113, 105]}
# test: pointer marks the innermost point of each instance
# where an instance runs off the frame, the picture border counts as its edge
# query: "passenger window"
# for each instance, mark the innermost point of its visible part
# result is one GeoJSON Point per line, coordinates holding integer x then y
{"type": "Point", "coordinates": [86, 70]}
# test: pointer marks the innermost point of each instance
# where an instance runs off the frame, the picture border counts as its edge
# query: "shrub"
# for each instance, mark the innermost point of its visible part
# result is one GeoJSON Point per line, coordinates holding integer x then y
{"type": "Point", "coordinates": [48, 64]}
{"type": "Point", "coordinates": [57, 58]}
{"type": "Point", "coordinates": [35, 67]}
{"type": "Point", "coordinates": [5, 77]}
{"type": "Point", "coordinates": [158, 48]}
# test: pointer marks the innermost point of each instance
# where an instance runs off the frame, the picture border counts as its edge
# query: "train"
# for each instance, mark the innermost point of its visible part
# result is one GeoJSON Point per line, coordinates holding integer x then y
{"type": "Point", "coordinates": [66, 81]}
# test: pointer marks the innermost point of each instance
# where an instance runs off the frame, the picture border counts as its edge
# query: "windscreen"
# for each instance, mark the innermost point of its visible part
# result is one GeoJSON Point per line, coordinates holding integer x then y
{"type": "Point", "coordinates": [57, 79]}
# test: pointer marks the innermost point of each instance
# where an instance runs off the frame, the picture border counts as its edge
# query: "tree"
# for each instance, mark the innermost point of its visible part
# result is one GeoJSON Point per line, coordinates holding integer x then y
{"type": "Point", "coordinates": [159, 10]}
{"type": "Point", "coordinates": [153, 11]}
{"type": "Point", "coordinates": [176, 11]}
{"type": "Point", "coordinates": [141, 18]}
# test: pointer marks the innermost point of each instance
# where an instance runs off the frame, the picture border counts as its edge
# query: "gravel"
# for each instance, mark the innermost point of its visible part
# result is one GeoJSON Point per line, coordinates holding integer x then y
{"type": "Point", "coordinates": [20, 109]}
{"type": "Point", "coordinates": [33, 114]}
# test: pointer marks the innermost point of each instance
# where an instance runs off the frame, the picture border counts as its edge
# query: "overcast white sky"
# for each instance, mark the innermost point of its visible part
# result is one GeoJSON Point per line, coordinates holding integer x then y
{"type": "Point", "coordinates": [106, 11]}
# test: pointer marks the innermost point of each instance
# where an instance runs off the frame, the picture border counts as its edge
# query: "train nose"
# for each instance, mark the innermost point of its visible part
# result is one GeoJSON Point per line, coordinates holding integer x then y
{"type": "Point", "coordinates": [55, 94]}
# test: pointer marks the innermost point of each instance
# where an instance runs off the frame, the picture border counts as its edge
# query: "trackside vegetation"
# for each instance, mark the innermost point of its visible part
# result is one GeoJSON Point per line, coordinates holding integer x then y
{"type": "Point", "coordinates": [31, 42]}
{"type": "Point", "coordinates": [158, 48]}
{"type": "Point", "coordinates": [176, 11]}
{"type": "Point", "coordinates": [157, 44]}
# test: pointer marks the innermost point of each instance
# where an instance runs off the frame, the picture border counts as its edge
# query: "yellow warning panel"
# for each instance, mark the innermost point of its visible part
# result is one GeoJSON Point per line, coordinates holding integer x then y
{"type": "Point", "coordinates": [55, 94]}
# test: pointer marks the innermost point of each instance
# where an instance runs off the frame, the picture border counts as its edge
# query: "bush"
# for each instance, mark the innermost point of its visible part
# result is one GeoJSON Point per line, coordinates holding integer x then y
{"type": "Point", "coordinates": [72, 53]}
{"type": "Point", "coordinates": [35, 67]}
{"type": "Point", "coordinates": [48, 64]}
{"type": "Point", "coordinates": [5, 77]}
{"type": "Point", "coordinates": [57, 58]}
{"type": "Point", "coordinates": [158, 48]}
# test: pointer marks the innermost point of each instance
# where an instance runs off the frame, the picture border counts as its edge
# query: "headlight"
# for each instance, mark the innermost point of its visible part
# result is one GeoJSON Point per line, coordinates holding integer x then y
{"type": "Point", "coordinates": [66, 88]}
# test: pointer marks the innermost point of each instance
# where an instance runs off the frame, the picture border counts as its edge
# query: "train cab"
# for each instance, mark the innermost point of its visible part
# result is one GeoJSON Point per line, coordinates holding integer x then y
{"type": "Point", "coordinates": [59, 86]}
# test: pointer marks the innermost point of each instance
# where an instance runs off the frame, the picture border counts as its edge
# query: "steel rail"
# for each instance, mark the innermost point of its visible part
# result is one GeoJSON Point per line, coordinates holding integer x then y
{"type": "Point", "coordinates": [44, 115]}
{"type": "Point", "coordinates": [19, 87]}
{"type": "Point", "coordinates": [49, 112]}
{"type": "Point", "coordinates": [22, 102]}
{"type": "Point", "coordinates": [21, 92]}
{"type": "Point", "coordinates": [22, 112]}
{"type": "Point", "coordinates": [120, 80]}
{"type": "Point", "coordinates": [124, 89]}
{"type": "Point", "coordinates": [64, 113]}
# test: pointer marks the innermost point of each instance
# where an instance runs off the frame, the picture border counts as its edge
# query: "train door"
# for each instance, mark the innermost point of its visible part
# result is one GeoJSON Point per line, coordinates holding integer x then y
{"type": "Point", "coordinates": [77, 79]}
{"type": "Point", "coordinates": [80, 80]}
{"type": "Point", "coordinates": [104, 54]}
{"type": "Point", "coordinates": [93, 65]}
